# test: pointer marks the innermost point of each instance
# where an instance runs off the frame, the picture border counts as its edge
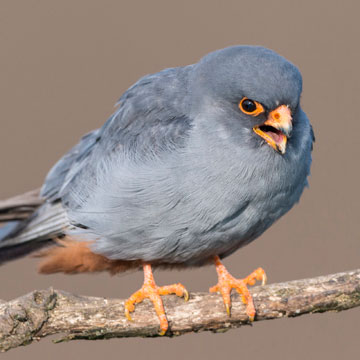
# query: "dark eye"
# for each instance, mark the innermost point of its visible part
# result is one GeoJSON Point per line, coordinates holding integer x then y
{"type": "Point", "coordinates": [250, 107]}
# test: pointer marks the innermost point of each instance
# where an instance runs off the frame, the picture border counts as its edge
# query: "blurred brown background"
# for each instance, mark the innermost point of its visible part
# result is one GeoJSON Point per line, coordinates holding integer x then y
{"type": "Point", "coordinates": [63, 65]}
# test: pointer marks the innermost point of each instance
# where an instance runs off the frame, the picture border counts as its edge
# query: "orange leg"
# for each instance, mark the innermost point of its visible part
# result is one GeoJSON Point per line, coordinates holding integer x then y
{"type": "Point", "coordinates": [151, 291]}
{"type": "Point", "coordinates": [227, 282]}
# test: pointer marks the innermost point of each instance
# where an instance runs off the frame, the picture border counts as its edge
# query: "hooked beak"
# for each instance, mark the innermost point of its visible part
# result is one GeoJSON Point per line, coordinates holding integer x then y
{"type": "Point", "coordinates": [277, 128]}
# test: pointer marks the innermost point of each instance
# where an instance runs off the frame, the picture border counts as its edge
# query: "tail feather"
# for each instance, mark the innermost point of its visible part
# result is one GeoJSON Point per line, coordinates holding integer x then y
{"type": "Point", "coordinates": [49, 220]}
{"type": "Point", "coordinates": [15, 252]}
{"type": "Point", "coordinates": [20, 207]}
{"type": "Point", "coordinates": [20, 238]}
{"type": "Point", "coordinates": [8, 229]}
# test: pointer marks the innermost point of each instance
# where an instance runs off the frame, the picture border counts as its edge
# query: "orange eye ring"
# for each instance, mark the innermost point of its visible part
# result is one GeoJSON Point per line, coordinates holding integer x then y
{"type": "Point", "coordinates": [250, 107]}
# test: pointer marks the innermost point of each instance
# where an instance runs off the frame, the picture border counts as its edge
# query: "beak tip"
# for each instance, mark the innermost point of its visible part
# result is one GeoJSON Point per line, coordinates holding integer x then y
{"type": "Point", "coordinates": [282, 148]}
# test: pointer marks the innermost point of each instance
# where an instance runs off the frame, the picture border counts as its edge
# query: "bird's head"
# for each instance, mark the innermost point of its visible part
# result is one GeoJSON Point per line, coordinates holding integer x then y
{"type": "Point", "coordinates": [251, 91]}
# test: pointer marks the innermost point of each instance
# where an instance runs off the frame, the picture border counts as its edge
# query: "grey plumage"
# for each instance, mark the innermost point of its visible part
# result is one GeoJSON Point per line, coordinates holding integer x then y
{"type": "Point", "coordinates": [177, 175]}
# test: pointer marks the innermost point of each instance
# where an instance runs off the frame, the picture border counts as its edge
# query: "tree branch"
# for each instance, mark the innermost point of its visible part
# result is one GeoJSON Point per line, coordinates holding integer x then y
{"type": "Point", "coordinates": [47, 312]}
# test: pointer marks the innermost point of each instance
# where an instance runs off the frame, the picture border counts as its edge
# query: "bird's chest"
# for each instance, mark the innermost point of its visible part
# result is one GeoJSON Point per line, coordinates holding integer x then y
{"type": "Point", "coordinates": [240, 202]}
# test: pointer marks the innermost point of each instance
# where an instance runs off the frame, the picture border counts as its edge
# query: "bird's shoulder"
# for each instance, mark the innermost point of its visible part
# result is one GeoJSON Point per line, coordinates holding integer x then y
{"type": "Point", "coordinates": [152, 116]}
{"type": "Point", "coordinates": [151, 120]}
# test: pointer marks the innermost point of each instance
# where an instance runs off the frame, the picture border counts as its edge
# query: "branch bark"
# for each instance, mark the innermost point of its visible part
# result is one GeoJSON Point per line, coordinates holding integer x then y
{"type": "Point", "coordinates": [47, 312]}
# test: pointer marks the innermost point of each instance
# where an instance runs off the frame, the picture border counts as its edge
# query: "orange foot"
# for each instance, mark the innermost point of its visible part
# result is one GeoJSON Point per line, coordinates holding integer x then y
{"type": "Point", "coordinates": [151, 291]}
{"type": "Point", "coordinates": [227, 282]}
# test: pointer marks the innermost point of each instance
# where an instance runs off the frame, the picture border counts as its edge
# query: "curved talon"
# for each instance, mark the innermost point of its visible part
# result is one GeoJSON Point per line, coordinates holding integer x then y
{"type": "Point", "coordinates": [186, 295]}
{"type": "Point", "coordinates": [264, 279]}
{"type": "Point", "coordinates": [250, 310]}
{"type": "Point", "coordinates": [127, 314]}
{"type": "Point", "coordinates": [228, 309]}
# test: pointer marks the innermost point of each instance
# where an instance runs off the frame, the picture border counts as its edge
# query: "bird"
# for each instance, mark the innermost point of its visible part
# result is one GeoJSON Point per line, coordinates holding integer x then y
{"type": "Point", "coordinates": [196, 162]}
